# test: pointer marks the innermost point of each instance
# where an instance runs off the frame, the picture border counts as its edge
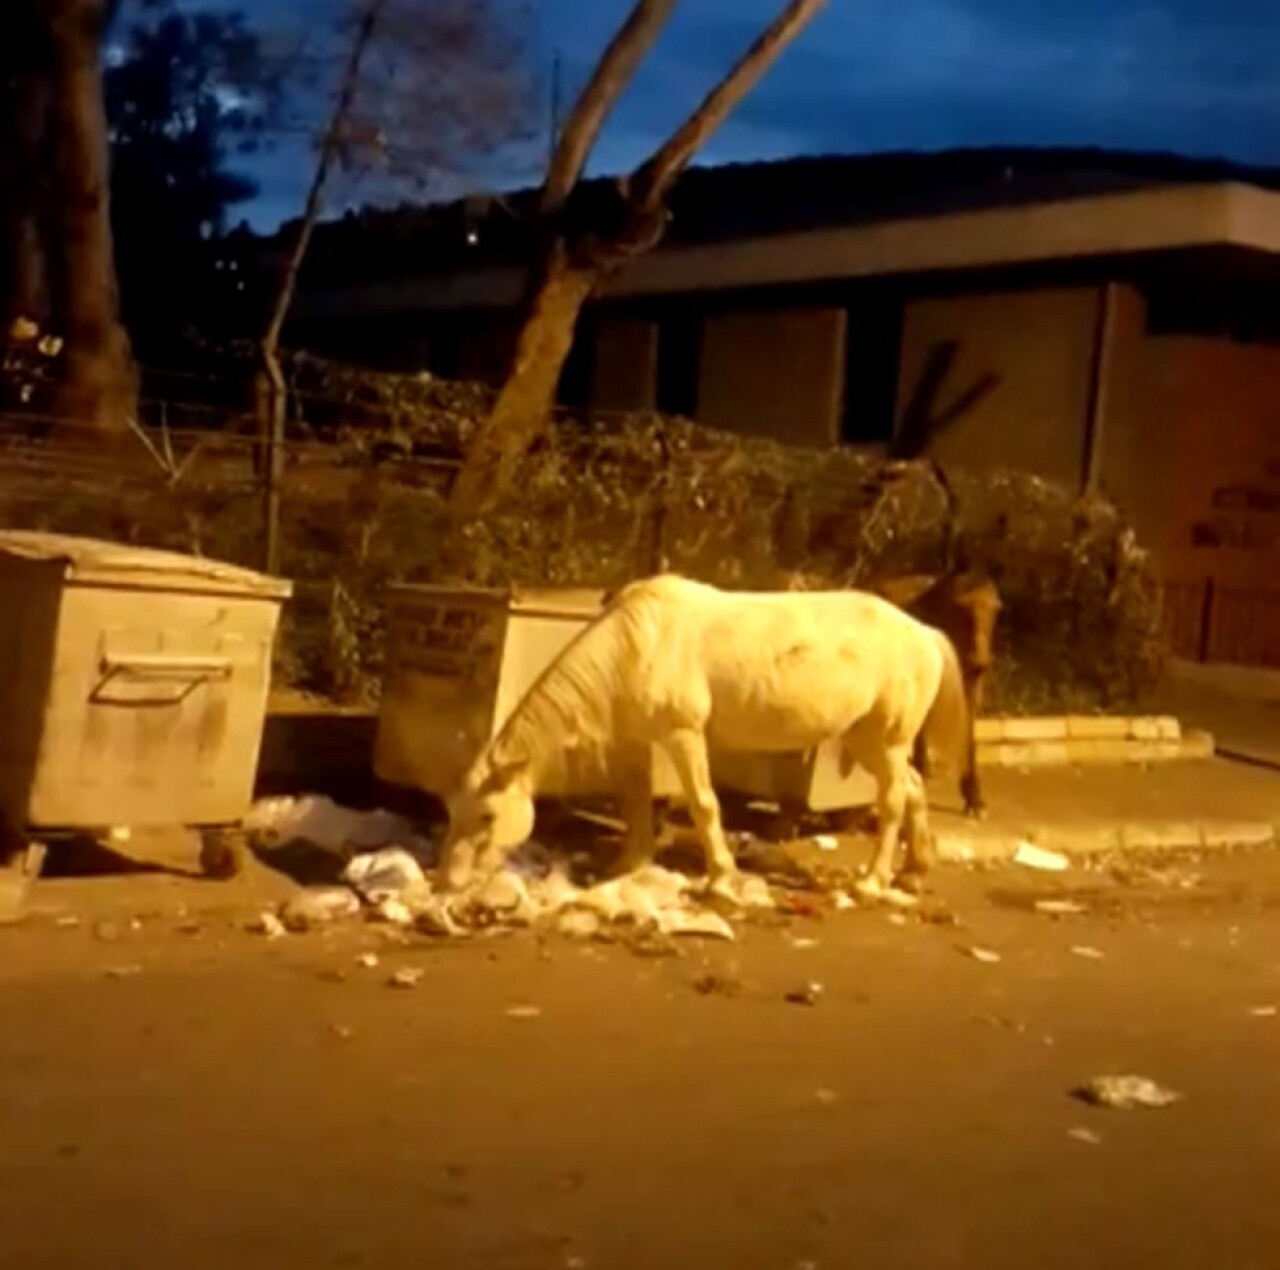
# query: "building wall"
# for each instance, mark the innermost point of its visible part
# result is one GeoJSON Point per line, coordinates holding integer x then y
{"type": "Point", "coordinates": [774, 372]}
{"type": "Point", "coordinates": [1036, 347]}
{"type": "Point", "coordinates": [624, 373]}
{"type": "Point", "coordinates": [1208, 431]}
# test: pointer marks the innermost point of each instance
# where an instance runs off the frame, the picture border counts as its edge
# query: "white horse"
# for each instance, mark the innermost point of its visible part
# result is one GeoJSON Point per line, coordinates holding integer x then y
{"type": "Point", "coordinates": [681, 665]}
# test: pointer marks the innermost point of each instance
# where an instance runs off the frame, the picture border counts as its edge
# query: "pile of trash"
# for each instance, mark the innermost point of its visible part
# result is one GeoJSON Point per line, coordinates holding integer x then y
{"type": "Point", "coordinates": [387, 876]}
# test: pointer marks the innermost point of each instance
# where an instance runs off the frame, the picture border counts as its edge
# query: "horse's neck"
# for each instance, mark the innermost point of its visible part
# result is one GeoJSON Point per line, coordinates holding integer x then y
{"type": "Point", "coordinates": [531, 738]}
{"type": "Point", "coordinates": [562, 719]}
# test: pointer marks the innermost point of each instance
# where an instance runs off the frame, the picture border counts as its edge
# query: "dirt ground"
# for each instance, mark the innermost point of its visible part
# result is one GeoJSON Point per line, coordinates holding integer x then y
{"type": "Point", "coordinates": [178, 1091]}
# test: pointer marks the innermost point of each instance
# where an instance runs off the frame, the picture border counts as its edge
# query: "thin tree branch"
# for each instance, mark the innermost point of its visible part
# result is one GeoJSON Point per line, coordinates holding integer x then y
{"type": "Point", "coordinates": [651, 182]}
{"type": "Point", "coordinates": [315, 195]}
{"type": "Point", "coordinates": [610, 78]}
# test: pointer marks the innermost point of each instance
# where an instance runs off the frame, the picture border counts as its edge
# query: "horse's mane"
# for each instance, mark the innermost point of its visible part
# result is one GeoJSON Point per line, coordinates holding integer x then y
{"type": "Point", "coordinates": [566, 718]}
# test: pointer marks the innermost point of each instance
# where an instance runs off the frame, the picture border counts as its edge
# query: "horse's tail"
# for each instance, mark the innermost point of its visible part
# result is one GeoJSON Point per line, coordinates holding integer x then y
{"type": "Point", "coordinates": [948, 729]}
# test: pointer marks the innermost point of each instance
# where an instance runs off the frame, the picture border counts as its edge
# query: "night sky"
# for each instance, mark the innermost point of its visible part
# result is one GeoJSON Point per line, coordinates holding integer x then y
{"type": "Point", "coordinates": [1200, 77]}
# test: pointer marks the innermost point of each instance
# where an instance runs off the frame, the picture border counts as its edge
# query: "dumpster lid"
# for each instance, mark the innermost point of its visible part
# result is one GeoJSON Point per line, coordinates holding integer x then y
{"type": "Point", "coordinates": [116, 563]}
{"type": "Point", "coordinates": [531, 601]}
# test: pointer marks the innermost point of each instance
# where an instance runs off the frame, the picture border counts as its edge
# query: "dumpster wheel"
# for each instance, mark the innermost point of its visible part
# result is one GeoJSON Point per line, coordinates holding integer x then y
{"type": "Point", "coordinates": [224, 852]}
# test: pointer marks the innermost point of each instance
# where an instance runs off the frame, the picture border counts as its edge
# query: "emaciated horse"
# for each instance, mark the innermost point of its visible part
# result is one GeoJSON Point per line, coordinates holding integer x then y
{"type": "Point", "coordinates": [683, 666]}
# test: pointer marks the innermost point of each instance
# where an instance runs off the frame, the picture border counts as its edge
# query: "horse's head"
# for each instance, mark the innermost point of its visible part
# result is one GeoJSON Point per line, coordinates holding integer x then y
{"type": "Point", "coordinates": [489, 817]}
{"type": "Point", "coordinates": [979, 604]}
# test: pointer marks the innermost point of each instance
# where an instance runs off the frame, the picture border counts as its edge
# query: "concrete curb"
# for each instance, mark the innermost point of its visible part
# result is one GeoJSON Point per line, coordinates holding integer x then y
{"type": "Point", "coordinates": [998, 844]}
{"type": "Point", "coordinates": [1061, 739]}
{"type": "Point", "coordinates": [1192, 744]}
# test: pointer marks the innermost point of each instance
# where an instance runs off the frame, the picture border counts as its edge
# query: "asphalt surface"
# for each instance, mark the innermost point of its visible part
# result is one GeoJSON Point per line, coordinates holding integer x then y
{"type": "Point", "coordinates": [178, 1092]}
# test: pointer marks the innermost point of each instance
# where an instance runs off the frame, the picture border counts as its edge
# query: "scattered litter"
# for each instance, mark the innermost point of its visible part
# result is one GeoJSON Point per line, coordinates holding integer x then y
{"type": "Point", "coordinates": [267, 924]}
{"type": "Point", "coordinates": [709, 925]}
{"type": "Point", "coordinates": [842, 901]}
{"type": "Point", "coordinates": [1126, 1093]}
{"type": "Point", "coordinates": [808, 994]}
{"type": "Point", "coordinates": [367, 959]}
{"type": "Point", "coordinates": [824, 842]}
{"type": "Point", "coordinates": [119, 833]}
{"type": "Point", "coordinates": [434, 918]}
{"type": "Point", "coordinates": [712, 984]}
{"type": "Point", "coordinates": [504, 892]}
{"type": "Point", "coordinates": [406, 977]}
{"type": "Point", "coordinates": [67, 921]}
{"type": "Point", "coordinates": [985, 955]}
{"type": "Point", "coordinates": [392, 911]}
{"type": "Point", "coordinates": [897, 919]}
{"type": "Point", "coordinates": [318, 820]}
{"type": "Point", "coordinates": [524, 1012]}
{"type": "Point", "coordinates": [1263, 1012]}
{"type": "Point", "coordinates": [578, 923]}
{"type": "Point", "coordinates": [803, 942]}
{"type": "Point", "coordinates": [1060, 908]}
{"type": "Point", "coordinates": [123, 972]}
{"type": "Point", "coordinates": [1087, 952]}
{"type": "Point", "coordinates": [764, 806]}
{"type": "Point", "coordinates": [384, 874]}
{"type": "Point", "coordinates": [1085, 1135]}
{"type": "Point", "coordinates": [1030, 856]}
{"type": "Point", "coordinates": [318, 906]}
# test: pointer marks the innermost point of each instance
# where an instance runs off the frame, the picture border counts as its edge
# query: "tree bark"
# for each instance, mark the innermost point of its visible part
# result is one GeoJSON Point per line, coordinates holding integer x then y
{"type": "Point", "coordinates": [652, 181]}
{"type": "Point", "coordinates": [615, 70]}
{"type": "Point", "coordinates": [99, 383]}
{"type": "Point", "coordinates": [529, 391]}
{"type": "Point", "coordinates": [24, 96]}
{"type": "Point", "coordinates": [569, 271]}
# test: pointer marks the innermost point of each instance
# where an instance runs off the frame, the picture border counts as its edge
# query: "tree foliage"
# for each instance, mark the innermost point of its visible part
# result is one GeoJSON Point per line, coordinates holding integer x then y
{"type": "Point", "coordinates": [187, 92]}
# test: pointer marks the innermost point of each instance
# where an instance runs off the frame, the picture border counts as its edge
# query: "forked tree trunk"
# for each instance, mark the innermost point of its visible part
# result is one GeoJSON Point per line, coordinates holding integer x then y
{"type": "Point", "coordinates": [569, 272]}
{"type": "Point", "coordinates": [99, 385]}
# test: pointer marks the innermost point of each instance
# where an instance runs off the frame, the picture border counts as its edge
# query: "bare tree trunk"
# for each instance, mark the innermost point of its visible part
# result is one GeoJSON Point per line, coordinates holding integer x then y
{"type": "Point", "coordinates": [569, 271]}
{"type": "Point", "coordinates": [272, 390]}
{"type": "Point", "coordinates": [99, 385]}
{"type": "Point", "coordinates": [529, 391]}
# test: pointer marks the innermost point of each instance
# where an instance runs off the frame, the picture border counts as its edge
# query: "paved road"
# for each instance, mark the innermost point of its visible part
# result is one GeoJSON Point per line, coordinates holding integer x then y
{"type": "Point", "coordinates": [186, 1094]}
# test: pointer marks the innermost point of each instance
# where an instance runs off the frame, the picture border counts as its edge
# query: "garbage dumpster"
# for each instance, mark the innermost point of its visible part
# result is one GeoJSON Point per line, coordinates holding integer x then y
{"type": "Point", "coordinates": [134, 691]}
{"type": "Point", "coordinates": [459, 660]}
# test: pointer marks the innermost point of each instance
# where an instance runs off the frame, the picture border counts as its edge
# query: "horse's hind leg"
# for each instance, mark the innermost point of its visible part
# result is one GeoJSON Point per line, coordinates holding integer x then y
{"type": "Point", "coordinates": [891, 767]}
{"type": "Point", "coordinates": [635, 793]}
{"type": "Point", "coordinates": [921, 855]}
{"type": "Point", "coordinates": [975, 805]}
{"type": "Point", "coordinates": [688, 752]}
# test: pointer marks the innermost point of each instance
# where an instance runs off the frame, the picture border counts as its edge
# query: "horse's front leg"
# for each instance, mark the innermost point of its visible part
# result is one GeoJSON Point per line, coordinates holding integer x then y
{"type": "Point", "coordinates": [891, 767]}
{"type": "Point", "coordinates": [635, 796]}
{"type": "Point", "coordinates": [688, 752]}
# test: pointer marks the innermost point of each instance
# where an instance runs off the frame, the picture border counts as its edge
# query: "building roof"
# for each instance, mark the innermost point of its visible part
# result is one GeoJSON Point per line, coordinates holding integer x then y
{"type": "Point", "coordinates": [738, 224]}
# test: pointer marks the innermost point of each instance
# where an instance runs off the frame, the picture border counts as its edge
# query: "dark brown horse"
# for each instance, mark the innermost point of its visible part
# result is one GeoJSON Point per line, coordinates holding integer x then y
{"type": "Point", "coordinates": [965, 607]}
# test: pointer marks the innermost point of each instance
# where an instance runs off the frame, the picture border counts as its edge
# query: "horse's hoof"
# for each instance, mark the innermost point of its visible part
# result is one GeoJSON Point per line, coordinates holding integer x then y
{"type": "Point", "coordinates": [869, 888]}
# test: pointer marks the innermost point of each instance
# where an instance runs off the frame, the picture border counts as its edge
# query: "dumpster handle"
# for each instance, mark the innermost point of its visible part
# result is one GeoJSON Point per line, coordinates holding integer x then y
{"type": "Point", "coordinates": [167, 665]}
